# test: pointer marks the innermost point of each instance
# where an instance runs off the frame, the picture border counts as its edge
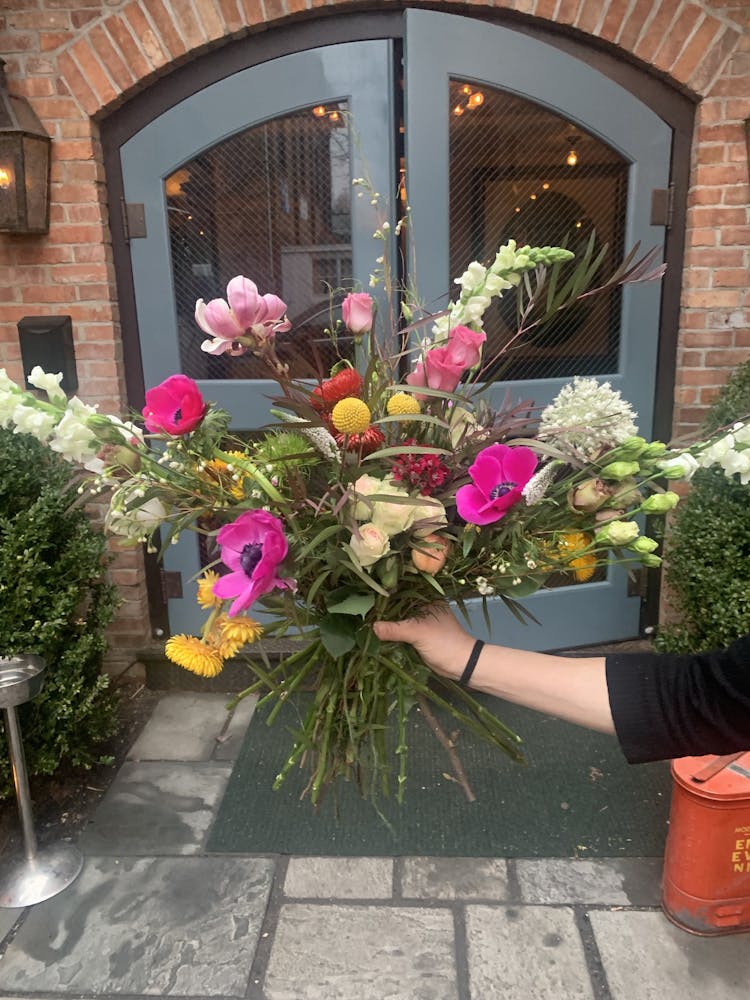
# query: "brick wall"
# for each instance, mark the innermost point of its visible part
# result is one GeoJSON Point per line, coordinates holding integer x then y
{"type": "Point", "coordinates": [77, 59]}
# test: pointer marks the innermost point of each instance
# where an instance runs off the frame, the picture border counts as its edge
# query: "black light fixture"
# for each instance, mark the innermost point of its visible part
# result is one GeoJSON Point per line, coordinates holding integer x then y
{"type": "Point", "coordinates": [24, 165]}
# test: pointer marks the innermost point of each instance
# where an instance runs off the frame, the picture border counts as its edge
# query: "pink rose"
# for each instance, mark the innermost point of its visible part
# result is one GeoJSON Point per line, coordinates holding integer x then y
{"type": "Point", "coordinates": [465, 346]}
{"type": "Point", "coordinates": [357, 312]}
{"type": "Point", "coordinates": [437, 371]}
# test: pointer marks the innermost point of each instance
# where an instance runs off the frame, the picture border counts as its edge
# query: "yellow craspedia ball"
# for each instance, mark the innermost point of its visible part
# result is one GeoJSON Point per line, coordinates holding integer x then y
{"type": "Point", "coordinates": [402, 404]}
{"type": "Point", "coordinates": [351, 416]}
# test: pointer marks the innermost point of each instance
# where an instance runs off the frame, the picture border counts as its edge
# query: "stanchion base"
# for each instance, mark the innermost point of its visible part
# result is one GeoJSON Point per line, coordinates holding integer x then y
{"type": "Point", "coordinates": [24, 882]}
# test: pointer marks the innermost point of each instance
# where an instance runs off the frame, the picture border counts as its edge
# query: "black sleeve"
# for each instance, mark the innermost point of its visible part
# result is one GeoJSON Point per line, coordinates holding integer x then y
{"type": "Point", "coordinates": [667, 706]}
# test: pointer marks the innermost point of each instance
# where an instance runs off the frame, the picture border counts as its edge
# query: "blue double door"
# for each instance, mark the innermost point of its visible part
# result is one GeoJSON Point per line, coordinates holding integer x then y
{"type": "Point", "coordinates": [486, 134]}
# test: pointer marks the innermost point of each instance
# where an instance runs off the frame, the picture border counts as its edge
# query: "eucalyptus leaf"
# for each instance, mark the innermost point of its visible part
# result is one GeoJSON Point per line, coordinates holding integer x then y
{"type": "Point", "coordinates": [338, 634]}
{"type": "Point", "coordinates": [356, 604]}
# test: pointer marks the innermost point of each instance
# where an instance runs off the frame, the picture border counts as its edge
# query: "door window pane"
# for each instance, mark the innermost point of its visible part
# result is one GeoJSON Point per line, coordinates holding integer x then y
{"type": "Point", "coordinates": [272, 203]}
{"type": "Point", "coordinates": [518, 171]}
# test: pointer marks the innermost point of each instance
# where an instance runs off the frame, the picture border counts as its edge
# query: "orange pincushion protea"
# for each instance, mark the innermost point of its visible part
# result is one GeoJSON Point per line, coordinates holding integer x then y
{"type": "Point", "coordinates": [364, 444]}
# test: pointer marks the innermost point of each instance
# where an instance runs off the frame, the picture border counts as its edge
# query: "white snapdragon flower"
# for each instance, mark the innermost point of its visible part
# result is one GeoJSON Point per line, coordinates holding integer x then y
{"type": "Point", "coordinates": [72, 437]}
{"type": "Point", "coordinates": [7, 384]}
{"type": "Point", "coordinates": [473, 276]}
{"type": "Point", "coordinates": [716, 452]}
{"type": "Point", "coordinates": [48, 382]}
{"type": "Point", "coordinates": [737, 463]}
{"type": "Point", "coordinates": [741, 433]}
{"type": "Point", "coordinates": [29, 420]}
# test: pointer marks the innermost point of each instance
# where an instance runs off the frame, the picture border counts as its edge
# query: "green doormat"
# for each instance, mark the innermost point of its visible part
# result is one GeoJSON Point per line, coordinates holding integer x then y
{"type": "Point", "coordinates": [576, 798]}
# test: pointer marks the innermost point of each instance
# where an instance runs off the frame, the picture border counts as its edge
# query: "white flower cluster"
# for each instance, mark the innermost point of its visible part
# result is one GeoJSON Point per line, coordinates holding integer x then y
{"type": "Point", "coordinates": [731, 452]}
{"type": "Point", "coordinates": [61, 423]}
{"type": "Point", "coordinates": [587, 418]}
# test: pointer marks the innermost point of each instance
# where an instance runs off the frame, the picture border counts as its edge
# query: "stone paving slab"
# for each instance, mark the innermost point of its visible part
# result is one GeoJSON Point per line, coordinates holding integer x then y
{"type": "Point", "coordinates": [610, 881]}
{"type": "Point", "coordinates": [454, 878]}
{"type": "Point", "coordinates": [154, 926]}
{"type": "Point", "coordinates": [339, 878]}
{"type": "Point", "coordinates": [157, 808]}
{"type": "Point", "coordinates": [362, 953]}
{"type": "Point", "coordinates": [231, 741]}
{"type": "Point", "coordinates": [183, 726]}
{"type": "Point", "coordinates": [526, 953]}
{"type": "Point", "coordinates": [647, 958]}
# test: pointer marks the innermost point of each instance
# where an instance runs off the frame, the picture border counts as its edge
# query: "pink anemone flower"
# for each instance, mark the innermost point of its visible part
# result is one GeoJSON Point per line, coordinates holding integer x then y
{"type": "Point", "coordinates": [245, 313]}
{"type": "Point", "coordinates": [174, 407]}
{"type": "Point", "coordinates": [252, 547]}
{"type": "Point", "coordinates": [499, 474]}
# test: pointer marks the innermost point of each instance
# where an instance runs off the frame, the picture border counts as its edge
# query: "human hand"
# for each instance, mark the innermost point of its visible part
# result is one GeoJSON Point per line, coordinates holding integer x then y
{"type": "Point", "coordinates": [438, 637]}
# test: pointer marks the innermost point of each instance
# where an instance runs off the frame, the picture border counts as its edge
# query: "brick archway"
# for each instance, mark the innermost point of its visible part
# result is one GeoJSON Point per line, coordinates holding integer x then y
{"type": "Point", "coordinates": [688, 42]}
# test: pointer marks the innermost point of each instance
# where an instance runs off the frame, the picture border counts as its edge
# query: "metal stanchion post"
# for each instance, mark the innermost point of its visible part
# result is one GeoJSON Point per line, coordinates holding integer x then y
{"type": "Point", "coordinates": [44, 872]}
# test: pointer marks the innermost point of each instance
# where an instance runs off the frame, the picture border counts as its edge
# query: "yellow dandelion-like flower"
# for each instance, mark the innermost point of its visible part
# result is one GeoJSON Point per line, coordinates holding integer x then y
{"type": "Point", "coordinates": [194, 655]}
{"type": "Point", "coordinates": [571, 544]}
{"type": "Point", "coordinates": [216, 471]}
{"type": "Point", "coordinates": [402, 404]}
{"type": "Point", "coordinates": [234, 633]}
{"type": "Point", "coordinates": [206, 597]}
{"type": "Point", "coordinates": [583, 567]}
{"type": "Point", "coordinates": [351, 416]}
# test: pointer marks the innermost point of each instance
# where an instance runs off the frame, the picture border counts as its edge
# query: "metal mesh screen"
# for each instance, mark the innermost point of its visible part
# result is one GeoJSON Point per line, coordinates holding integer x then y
{"type": "Point", "coordinates": [519, 171]}
{"type": "Point", "coordinates": [272, 203]}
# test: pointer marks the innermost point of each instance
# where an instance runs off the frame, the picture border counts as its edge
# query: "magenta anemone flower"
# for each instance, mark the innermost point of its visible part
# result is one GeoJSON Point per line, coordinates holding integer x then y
{"type": "Point", "coordinates": [174, 407]}
{"type": "Point", "coordinates": [245, 313]}
{"type": "Point", "coordinates": [499, 474]}
{"type": "Point", "coordinates": [252, 547]}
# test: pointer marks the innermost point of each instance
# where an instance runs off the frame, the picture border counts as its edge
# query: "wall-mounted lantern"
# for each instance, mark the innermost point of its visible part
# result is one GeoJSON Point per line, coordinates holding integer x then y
{"type": "Point", "coordinates": [24, 165]}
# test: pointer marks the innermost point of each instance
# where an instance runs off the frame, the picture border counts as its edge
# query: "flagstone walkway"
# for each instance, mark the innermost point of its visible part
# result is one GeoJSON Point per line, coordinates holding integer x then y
{"type": "Point", "coordinates": [153, 915]}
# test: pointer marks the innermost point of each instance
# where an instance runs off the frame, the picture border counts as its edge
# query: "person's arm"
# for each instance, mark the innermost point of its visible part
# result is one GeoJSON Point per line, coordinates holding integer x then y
{"type": "Point", "coordinates": [659, 706]}
{"type": "Point", "coordinates": [571, 688]}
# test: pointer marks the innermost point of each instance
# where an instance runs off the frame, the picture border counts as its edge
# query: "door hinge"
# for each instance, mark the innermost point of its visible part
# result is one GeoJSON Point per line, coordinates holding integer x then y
{"type": "Point", "coordinates": [171, 584]}
{"type": "Point", "coordinates": [662, 206]}
{"type": "Point", "coordinates": [133, 219]}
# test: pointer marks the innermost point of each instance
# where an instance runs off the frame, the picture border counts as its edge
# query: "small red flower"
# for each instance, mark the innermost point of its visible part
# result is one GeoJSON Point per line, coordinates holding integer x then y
{"type": "Point", "coordinates": [365, 443]}
{"type": "Point", "coordinates": [420, 472]}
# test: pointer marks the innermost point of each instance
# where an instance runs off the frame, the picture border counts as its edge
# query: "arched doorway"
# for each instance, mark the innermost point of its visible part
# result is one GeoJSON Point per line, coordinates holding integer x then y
{"type": "Point", "coordinates": [252, 174]}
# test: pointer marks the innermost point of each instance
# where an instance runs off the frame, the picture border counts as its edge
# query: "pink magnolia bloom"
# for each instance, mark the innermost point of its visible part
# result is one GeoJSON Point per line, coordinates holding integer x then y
{"type": "Point", "coordinates": [174, 407]}
{"type": "Point", "coordinates": [499, 474]}
{"type": "Point", "coordinates": [246, 313]}
{"type": "Point", "coordinates": [252, 547]}
{"type": "Point", "coordinates": [357, 312]}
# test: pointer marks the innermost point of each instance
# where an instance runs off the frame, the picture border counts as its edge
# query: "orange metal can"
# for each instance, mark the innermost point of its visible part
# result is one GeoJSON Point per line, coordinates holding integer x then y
{"type": "Point", "coordinates": [706, 883]}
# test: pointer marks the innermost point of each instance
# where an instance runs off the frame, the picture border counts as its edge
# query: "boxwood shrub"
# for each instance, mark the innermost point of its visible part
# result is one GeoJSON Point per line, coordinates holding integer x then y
{"type": "Point", "coordinates": [708, 546]}
{"type": "Point", "coordinates": [55, 601]}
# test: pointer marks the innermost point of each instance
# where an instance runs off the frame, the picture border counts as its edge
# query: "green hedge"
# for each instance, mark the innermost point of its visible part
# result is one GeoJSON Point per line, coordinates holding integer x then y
{"type": "Point", "coordinates": [708, 548]}
{"type": "Point", "coordinates": [55, 601]}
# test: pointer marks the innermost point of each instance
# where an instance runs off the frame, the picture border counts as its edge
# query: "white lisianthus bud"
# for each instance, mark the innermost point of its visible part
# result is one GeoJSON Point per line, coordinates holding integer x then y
{"type": "Point", "coordinates": [617, 533]}
{"type": "Point", "coordinates": [370, 544]}
{"type": "Point", "coordinates": [681, 467]}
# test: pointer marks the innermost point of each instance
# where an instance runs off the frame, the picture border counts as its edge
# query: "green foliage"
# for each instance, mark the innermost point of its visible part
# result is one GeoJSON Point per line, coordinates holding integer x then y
{"type": "Point", "coordinates": [733, 402]}
{"type": "Point", "coordinates": [708, 552]}
{"type": "Point", "coordinates": [55, 601]}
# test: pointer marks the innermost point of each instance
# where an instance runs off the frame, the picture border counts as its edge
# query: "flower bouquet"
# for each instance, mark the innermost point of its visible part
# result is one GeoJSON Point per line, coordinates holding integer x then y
{"type": "Point", "coordinates": [388, 485]}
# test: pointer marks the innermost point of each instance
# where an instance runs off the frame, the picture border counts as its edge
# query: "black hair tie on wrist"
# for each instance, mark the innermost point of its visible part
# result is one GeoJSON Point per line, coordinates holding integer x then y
{"type": "Point", "coordinates": [472, 662]}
